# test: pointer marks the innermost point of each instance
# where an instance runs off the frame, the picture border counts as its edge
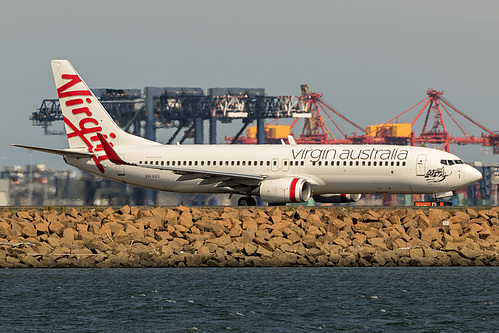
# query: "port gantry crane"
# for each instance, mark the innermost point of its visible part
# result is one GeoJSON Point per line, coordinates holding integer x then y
{"type": "Point", "coordinates": [189, 107]}
{"type": "Point", "coordinates": [435, 105]}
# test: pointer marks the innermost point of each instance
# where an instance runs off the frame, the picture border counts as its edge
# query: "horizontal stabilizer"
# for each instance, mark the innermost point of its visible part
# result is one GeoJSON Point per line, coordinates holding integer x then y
{"type": "Point", "coordinates": [63, 152]}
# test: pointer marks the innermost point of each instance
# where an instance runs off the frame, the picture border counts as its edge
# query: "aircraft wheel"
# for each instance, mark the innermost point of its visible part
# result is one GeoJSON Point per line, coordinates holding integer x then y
{"type": "Point", "coordinates": [246, 201]}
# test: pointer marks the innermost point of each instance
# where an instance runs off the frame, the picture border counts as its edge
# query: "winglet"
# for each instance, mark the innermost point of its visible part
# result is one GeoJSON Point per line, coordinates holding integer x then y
{"type": "Point", "coordinates": [110, 152]}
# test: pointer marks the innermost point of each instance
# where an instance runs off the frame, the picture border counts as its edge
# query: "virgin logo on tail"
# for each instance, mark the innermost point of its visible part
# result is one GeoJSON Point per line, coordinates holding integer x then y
{"type": "Point", "coordinates": [88, 127]}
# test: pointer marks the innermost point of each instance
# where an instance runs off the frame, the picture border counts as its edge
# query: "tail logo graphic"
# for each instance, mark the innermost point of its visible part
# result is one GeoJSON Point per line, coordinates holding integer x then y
{"type": "Point", "coordinates": [88, 126]}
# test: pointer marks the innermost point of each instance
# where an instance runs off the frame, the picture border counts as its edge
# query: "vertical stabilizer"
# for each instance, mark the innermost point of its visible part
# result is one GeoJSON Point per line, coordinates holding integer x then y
{"type": "Point", "coordinates": [84, 115]}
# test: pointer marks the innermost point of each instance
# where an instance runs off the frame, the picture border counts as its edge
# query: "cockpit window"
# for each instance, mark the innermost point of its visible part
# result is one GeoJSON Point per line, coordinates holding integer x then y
{"type": "Point", "coordinates": [451, 162]}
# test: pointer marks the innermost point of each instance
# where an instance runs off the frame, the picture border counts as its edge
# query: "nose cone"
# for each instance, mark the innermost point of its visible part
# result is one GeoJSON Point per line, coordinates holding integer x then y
{"type": "Point", "coordinates": [472, 175]}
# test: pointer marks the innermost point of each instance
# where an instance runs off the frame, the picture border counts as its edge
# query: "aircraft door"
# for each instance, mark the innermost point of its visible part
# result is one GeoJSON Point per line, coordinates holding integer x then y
{"type": "Point", "coordinates": [274, 164]}
{"type": "Point", "coordinates": [421, 165]}
{"type": "Point", "coordinates": [120, 168]}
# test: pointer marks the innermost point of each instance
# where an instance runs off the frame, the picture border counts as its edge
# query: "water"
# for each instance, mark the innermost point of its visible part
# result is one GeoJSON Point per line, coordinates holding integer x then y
{"type": "Point", "coordinates": [250, 300]}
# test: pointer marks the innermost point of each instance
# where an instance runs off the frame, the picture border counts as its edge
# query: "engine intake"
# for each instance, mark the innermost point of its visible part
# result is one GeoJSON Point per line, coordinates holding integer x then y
{"type": "Point", "coordinates": [284, 190]}
{"type": "Point", "coordinates": [336, 198]}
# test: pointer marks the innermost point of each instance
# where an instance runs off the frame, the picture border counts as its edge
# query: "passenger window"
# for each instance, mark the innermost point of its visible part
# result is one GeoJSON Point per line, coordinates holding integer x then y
{"type": "Point", "coordinates": [320, 163]}
{"type": "Point", "coordinates": [196, 163]}
{"type": "Point", "coordinates": [232, 163]}
{"type": "Point", "coordinates": [357, 163]}
{"type": "Point", "coordinates": [325, 163]}
{"type": "Point", "coordinates": [344, 163]}
{"type": "Point", "coordinates": [374, 163]}
{"type": "Point", "coordinates": [162, 162]}
{"type": "Point", "coordinates": [302, 163]}
{"type": "Point", "coordinates": [403, 163]}
{"type": "Point", "coordinates": [386, 163]}
{"type": "Point", "coordinates": [398, 163]}
{"type": "Point", "coordinates": [190, 163]}
{"type": "Point", "coordinates": [185, 162]}
{"type": "Point", "coordinates": [226, 162]}
{"type": "Point", "coordinates": [392, 163]}
{"type": "Point", "coordinates": [313, 163]}
{"type": "Point", "coordinates": [338, 163]}
{"type": "Point", "coordinates": [238, 163]}
{"type": "Point", "coordinates": [351, 163]}
{"type": "Point", "coordinates": [363, 163]}
{"type": "Point", "coordinates": [369, 163]}
{"type": "Point", "coordinates": [202, 162]}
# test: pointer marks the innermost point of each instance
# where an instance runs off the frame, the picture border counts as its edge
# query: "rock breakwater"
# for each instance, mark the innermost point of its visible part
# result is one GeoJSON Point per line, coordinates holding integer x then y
{"type": "Point", "coordinates": [230, 237]}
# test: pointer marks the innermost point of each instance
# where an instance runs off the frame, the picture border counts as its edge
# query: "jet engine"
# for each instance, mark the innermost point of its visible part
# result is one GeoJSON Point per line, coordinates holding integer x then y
{"type": "Point", "coordinates": [336, 198]}
{"type": "Point", "coordinates": [284, 190]}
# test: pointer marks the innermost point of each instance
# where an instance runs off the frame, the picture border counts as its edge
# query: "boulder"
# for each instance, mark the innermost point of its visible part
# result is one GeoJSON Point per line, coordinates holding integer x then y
{"type": "Point", "coordinates": [56, 227]}
{"type": "Point", "coordinates": [250, 249]}
{"type": "Point", "coordinates": [378, 243]}
{"type": "Point", "coordinates": [24, 215]}
{"type": "Point", "coordinates": [285, 259]}
{"type": "Point", "coordinates": [29, 230]}
{"type": "Point", "coordinates": [430, 234]}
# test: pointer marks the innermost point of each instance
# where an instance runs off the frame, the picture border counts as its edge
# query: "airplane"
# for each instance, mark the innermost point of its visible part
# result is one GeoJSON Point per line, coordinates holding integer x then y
{"type": "Point", "coordinates": [278, 174]}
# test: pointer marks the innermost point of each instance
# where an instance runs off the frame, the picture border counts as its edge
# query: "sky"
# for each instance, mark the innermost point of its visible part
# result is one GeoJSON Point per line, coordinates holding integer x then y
{"type": "Point", "coordinates": [371, 60]}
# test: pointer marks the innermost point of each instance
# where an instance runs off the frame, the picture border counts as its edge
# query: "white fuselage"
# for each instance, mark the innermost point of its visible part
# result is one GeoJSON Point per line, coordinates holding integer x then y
{"type": "Point", "coordinates": [328, 168]}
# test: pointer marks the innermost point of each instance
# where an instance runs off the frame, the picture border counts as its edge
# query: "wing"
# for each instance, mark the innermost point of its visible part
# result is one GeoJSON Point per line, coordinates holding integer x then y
{"type": "Point", "coordinates": [234, 182]}
{"type": "Point", "coordinates": [63, 152]}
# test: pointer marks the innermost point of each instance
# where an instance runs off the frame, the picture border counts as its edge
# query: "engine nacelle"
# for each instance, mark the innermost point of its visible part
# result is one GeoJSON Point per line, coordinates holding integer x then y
{"type": "Point", "coordinates": [284, 190]}
{"type": "Point", "coordinates": [336, 198]}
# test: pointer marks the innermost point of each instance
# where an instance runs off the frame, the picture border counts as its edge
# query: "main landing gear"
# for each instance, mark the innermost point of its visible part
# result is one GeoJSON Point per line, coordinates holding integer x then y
{"type": "Point", "coordinates": [246, 201]}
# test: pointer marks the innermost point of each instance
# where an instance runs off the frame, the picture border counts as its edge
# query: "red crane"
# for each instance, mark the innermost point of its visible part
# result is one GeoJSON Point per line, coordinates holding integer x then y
{"type": "Point", "coordinates": [435, 106]}
{"type": "Point", "coordinates": [315, 131]}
